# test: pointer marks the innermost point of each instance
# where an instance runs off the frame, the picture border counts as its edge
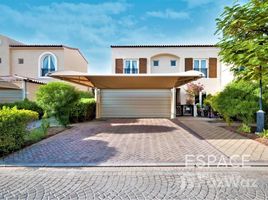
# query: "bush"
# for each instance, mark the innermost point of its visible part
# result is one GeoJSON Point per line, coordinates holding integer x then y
{"type": "Point", "coordinates": [34, 136]}
{"type": "Point", "coordinates": [239, 100]}
{"type": "Point", "coordinates": [244, 128]}
{"type": "Point", "coordinates": [85, 94]}
{"type": "Point", "coordinates": [57, 99]}
{"type": "Point", "coordinates": [264, 134]}
{"type": "Point", "coordinates": [13, 124]}
{"type": "Point", "coordinates": [84, 110]}
{"type": "Point", "coordinates": [26, 105]}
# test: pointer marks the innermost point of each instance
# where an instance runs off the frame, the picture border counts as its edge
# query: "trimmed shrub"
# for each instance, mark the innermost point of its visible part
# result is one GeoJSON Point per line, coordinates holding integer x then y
{"type": "Point", "coordinates": [85, 94]}
{"type": "Point", "coordinates": [239, 100]}
{"type": "Point", "coordinates": [84, 110]}
{"type": "Point", "coordinates": [25, 105]}
{"type": "Point", "coordinates": [13, 124]}
{"type": "Point", "coordinates": [57, 99]}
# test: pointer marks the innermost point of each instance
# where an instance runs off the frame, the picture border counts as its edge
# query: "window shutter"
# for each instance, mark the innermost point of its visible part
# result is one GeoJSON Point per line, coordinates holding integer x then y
{"type": "Point", "coordinates": [143, 65]}
{"type": "Point", "coordinates": [212, 67]}
{"type": "Point", "coordinates": [119, 66]}
{"type": "Point", "coordinates": [188, 64]}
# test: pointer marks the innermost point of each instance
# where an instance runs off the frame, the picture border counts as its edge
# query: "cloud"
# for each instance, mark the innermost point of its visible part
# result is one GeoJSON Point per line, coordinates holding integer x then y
{"type": "Point", "coordinates": [196, 3]}
{"type": "Point", "coordinates": [90, 27]}
{"type": "Point", "coordinates": [168, 14]}
{"type": "Point", "coordinates": [93, 27]}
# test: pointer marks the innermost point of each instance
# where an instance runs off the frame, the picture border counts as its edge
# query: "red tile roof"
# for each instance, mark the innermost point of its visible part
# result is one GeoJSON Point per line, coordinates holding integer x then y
{"type": "Point", "coordinates": [172, 45]}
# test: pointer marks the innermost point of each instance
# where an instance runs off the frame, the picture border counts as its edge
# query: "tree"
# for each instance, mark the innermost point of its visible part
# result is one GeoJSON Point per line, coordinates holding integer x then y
{"type": "Point", "coordinates": [193, 90]}
{"type": "Point", "coordinates": [244, 42]}
{"type": "Point", "coordinates": [57, 99]}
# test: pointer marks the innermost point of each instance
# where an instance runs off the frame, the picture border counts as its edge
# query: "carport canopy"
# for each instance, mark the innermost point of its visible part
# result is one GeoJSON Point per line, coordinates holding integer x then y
{"type": "Point", "coordinates": [128, 81]}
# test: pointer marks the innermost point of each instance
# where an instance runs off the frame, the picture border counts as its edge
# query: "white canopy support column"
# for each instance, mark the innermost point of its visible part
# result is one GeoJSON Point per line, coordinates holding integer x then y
{"type": "Point", "coordinates": [97, 99]}
{"type": "Point", "coordinates": [173, 103]}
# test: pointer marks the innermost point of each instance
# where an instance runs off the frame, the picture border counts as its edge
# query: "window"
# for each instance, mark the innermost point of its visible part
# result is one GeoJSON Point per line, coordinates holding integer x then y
{"type": "Point", "coordinates": [131, 67]}
{"type": "Point", "coordinates": [201, 66]}
{"type": "Point", "coordinates": [156, 63]}
{"type": "Point", "coordinates": [20, 61]}
{"type": "Point", "coordinates": [173, 63]}
{"type": "Point", "coordinates": [48, 64]}
{"type": "Point", "coordinates": [0, 60]}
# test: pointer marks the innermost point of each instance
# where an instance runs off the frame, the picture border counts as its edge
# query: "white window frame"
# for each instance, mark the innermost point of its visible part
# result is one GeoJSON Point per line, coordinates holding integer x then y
{"type": "Point", "coordinates": [199, 67]}
{"type": "Point", "coordinates": [131, 60]}
{"type": "Point", "coordinates": [40, 63]}
{"type": "Point", "coordinates": [156, 65]}
{"type": "Point", "coordinates": [175, 63]}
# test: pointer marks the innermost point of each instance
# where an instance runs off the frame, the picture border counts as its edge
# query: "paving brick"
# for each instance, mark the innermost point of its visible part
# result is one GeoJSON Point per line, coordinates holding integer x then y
{"type": "Point", "coordinates": [117, 142]}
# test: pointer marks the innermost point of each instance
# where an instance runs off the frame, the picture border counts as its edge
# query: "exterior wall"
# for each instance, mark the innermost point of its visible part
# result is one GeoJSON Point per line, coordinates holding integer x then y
{"type": "Point", "coordinates": [30, 68]}
{"type": "Point", "coordinates": [164, 64]}
{"type": "Point", "coordinates": [10, 96]}
{"type": "Point", "coordinates": [150, 53]}
{"type": "Point", "coordinates": [74, 61]}
{"type": "Point", "coordinates": [31, 89]}
{"type": "Point", "coordinates": [165, 54]}
{"type": "Point", "coordinates": [5, 55]}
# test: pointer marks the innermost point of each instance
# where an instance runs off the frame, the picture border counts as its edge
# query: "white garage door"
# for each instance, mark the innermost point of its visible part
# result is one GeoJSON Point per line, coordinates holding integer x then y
{"type": "Point", "coordinates": [135, 103]}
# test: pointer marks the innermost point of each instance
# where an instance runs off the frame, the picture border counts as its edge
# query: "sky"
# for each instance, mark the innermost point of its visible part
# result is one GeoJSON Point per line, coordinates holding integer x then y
{"type": "Point", "coordinates": [94, 25]}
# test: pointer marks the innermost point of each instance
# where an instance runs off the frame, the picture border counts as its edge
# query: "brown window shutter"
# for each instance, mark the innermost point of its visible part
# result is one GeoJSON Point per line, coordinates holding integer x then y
{"type": "Point", "coordinates": [188, 64]}
{"type": "Point", "coordinates": [119, 66]}
{"type": "Point", "coordinates": [143, 65]}
{"type": "Point", "coordinates": [212, 67]}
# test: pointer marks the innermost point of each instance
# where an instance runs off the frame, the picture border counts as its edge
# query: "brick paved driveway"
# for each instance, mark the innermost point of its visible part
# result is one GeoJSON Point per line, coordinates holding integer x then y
{"type": "Point", "coordinates": [116, 142]}
{"type": "Point", "coordinates": [134, 183]}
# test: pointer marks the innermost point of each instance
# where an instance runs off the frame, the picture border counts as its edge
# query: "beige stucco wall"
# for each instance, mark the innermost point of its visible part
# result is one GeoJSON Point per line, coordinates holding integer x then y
{"type": "Point", "coordinates": [164, 64]}
{"type": "Point", "coordinates": [149, 53]}
{"type": "Point", "coordinates": [74, 61]}
{"type": "Point", "coordinates": [30, 68]}
{"type": "Point", "coordinates": [31, 89]}
{"type": "Point", "coordinates": [165, 54]}
{"type": "Point", "coordinates": [5, 55]}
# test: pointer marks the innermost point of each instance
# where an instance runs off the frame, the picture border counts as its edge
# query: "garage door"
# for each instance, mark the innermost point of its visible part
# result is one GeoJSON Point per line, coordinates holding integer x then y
{"type": "Point", "coordinates": [135, 103]}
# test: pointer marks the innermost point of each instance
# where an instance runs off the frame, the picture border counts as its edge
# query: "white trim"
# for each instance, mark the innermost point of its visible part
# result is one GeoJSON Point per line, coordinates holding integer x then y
{"type": "Point", "coordinates": [199, 67]}
{"type": "Point", "coordinates": [131, 60]}
{"type": "Point", "coordinates": [40, 62]}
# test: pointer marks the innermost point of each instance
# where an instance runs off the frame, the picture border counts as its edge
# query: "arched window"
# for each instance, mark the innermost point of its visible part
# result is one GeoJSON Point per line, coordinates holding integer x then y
{"type": "Point", "coordinates": [48, 63]}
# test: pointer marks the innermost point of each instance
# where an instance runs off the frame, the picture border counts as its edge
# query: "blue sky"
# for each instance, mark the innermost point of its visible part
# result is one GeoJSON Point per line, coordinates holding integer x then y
{"type": "Point", "coordinates": [94, 25]}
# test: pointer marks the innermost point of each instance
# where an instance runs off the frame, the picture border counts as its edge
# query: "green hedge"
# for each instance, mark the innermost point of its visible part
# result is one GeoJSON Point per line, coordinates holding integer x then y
{"type": "Point", "coordinates": [26, 105]}
{"type": "Point", "coordinates": [238, 101]}
{"type": "Point", "coordinates": [84, 110]}
{"type": "Point", "coordinates": [13, 124]}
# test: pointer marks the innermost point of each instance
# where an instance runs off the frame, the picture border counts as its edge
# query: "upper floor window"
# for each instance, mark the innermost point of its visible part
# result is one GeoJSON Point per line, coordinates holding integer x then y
{"type": "Point", "coordinates": [173, 63]}
{"type": "Point", "coordinates": [131, 67]}
{"type": "Point", "coordinates": [0, 60]}
{"type": "Point", "coordinates": [48, 63]}
{"type": "Point", "coordinates": [156, 63]}
{"type": "Point", "coordinates": [20, 61]}
{"type": "Point", "coordinates": [201, 65]}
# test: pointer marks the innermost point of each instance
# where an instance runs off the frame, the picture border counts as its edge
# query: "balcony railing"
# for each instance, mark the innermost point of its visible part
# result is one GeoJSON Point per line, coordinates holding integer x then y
{"type": "Point", "coordinates": [44, 72]}
{"type": "Point", "coordinates": [130, 71]}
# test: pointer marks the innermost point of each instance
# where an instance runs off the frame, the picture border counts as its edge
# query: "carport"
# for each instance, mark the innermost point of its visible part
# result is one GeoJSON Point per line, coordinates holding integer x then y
{"type": "Point", "coordinates": [132, 95]}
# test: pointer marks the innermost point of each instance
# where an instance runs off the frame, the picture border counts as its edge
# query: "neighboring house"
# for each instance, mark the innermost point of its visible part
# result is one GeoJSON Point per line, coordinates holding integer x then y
{"type": "Point", "coordinates": [172, 59]}
{"type": "Point", "coordinates": [34, 62]}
